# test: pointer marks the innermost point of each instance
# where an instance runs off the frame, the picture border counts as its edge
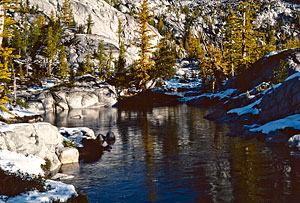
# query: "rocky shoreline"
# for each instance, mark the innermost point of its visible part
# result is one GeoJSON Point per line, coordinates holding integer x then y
{"type": "Point", "coordinates": [265, 112]}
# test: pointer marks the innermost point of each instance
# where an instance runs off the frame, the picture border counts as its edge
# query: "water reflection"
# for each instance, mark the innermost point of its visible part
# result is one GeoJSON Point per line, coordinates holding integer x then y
{"type": "Point", "coordinates": [173, 154]}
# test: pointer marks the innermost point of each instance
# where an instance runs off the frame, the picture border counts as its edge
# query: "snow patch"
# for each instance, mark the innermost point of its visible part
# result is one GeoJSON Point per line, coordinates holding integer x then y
{"type": "Point", "coordinates": [20, 164]}
{"type": "Point", "coordinates": [295, 75]}
{"type": "Point", "coordinates": [249, 109]}
{"type": "Point", "coordinates": [290, 121]}
{"type": "Point", "coordinates": [294, 141]}
{"type": "Point", "coordinates": [271, 54]}
{"type": "Point", "coordinates": [59, 191]}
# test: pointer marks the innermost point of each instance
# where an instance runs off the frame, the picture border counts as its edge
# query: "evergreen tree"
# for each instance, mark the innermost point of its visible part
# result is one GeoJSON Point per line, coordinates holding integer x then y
{"type": "Point", "coordinates": [122, 52]}
{"type": "Point", "coordinates": [164, 58]}
{"type": "Point", "coordinates": [101, 60]}
{"type": "Point", "coordinates": [109, 64]}
{"type": "Point", "coordinates": [63, 64]}
{"type": "Point", "coordinates": [51, 48]}
{"type": "Point", "coordinates": [144, 64]}
{"type": "Point", "coordinates": [67, 13]}
{"type": "Point", "coordinates": [88, 66]}
{"type": "Point", "coordinates": [231, 43]}
{"type": "Point", "coordinates": [89, 24]}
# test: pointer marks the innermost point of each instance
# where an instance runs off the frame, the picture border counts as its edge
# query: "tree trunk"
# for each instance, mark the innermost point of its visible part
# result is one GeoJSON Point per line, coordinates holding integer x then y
{"type": "Point", "coordinates": [2, 16]}
{"type": "Point", "coordinates": [15, 86]}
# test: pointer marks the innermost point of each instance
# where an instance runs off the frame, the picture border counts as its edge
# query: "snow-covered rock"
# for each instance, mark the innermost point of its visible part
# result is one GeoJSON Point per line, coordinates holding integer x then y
{"type": "Point", "coordinates": [39, 139]}
{"type": "Point", "coordinates": [294, 141]}
{"type": "Point", "coordinates": [26, 169]}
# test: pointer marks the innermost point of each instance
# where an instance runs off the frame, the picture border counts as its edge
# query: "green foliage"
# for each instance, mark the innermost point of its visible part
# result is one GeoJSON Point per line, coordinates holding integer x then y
{"type": "Point", "coordinates": [22, 103]}
{"type": "Point", "coordinates": [89, 24]}
{"type": "Point", "coordinates": [262, 87]}
{"type": "Point", "coordinates": [68, 143]}
{"type": "Point", "coordinates": [164, 58]}
{"type": "Point", "coordinates": [63, 64]}
{"type": "Point", "coordinates": [100, 55]}
{"type": "Point", "coordinates": [280, 73]}
{"type": "Point", "coordinates": [67, 13]}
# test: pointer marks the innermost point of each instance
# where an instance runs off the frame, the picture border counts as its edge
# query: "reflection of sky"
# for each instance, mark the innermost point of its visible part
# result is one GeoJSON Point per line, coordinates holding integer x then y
{"type": "Point", "coordinates": [170, 154]}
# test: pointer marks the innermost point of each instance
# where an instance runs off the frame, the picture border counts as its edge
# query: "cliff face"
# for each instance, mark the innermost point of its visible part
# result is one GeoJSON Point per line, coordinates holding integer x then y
{"type": "Point", "coordinates": [106, 20]}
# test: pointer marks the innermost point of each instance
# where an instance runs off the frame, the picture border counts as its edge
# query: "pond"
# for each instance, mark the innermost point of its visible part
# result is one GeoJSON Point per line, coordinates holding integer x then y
{"type": "Point", "coordinates": [172, 154]}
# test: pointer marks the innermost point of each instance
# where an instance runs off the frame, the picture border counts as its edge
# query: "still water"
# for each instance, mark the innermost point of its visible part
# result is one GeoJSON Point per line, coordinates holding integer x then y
{"type": "Point", "coordinates": [172, 154]}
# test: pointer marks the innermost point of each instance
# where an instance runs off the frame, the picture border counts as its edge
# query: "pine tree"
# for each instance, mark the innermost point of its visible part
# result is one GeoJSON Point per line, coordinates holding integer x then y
{"type": "Point", "coordinates": [144, 64]}
{"type": "Point", "coordinates": [101, 60]}
{"type": "Point", "coordinates": [63, 64]}
{"type": "Point", "coordinates": [232, 43]}
{"type": "Point", "coordinates": [88, 66]}
{"type": "Point", "coordinates": [51, 48]}
{"type": "Point", "coordinates": [67, 13]}
{"type": "Point", "coordinates": [122, 52]}
{"type": "Point", "coordinates": [89, 24]}
{"type": "Point", "coordinates": [164, 58]}
{"type": "Point", "coordinates": [109, 64]}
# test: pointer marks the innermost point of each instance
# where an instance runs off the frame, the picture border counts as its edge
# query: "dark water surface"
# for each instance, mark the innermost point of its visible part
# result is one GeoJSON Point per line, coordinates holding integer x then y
{"type": "Point", "coordinates": [172, 154]}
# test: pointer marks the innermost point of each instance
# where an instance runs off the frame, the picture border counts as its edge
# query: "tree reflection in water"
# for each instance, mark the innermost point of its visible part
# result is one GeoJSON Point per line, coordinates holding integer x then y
{"type": "Point", "coordinates": [173, 154]}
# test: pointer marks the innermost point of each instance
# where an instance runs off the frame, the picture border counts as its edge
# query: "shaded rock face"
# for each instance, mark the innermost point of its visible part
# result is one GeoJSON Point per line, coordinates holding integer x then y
{"type": "Point", "coordinates": [87, 93]}
{"type": "Point", "coordinates": [262, 70]}
{"type": "Point", "coordinates": [282, 102]}
{"type": "Point", "coordinates": [40, 139]}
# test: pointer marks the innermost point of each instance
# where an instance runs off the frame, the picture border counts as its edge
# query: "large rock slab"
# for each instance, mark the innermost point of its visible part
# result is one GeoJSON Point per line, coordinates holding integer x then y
{"type": "Point", "coordinates": [40, 139]}
{"type": "Point", "coordinates": [88, 92]}
{"type": "Point", "coordinates": [68, 155]}
{"type": "Point", "coordinates": [282, 101]}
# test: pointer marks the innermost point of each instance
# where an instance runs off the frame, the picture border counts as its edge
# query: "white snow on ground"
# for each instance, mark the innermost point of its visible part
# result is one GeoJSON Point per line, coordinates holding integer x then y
{"type": "Point", "coordinates": [175, 84]}
{"type": "Point", "coordinates": [221, 95]}
{"type": "Point", "coordinates": [20, 164]}
{"type": "Point", "coordinates": [294, 141]}
{"type": "Point", "coordinates": [271, 54]}
{"type": "Point", "coordinates": [16, 112]}
{"type": "Point", "coordinates": [297, 74]}
{"type": "Point", "coordinates": [249, 109]}
{"type": "Point", "coordinates": [290, 121]}
{"type": "Point", "coordinates": [76, 135]}
{"type": "Point", "coordinates": [59, 191]}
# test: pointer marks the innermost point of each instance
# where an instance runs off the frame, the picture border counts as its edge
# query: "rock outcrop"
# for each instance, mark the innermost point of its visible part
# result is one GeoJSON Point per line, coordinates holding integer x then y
{"type": "Point", "coordinates": [88, 92]}
{"type": "Point", "coordinates": [106, 19]}
{"type": "Point", "coordinates": [40, 139]}
{"type": "Point", "coordinates": [263, 70]}
{"type": "Point", "coordinates": [282, 102]}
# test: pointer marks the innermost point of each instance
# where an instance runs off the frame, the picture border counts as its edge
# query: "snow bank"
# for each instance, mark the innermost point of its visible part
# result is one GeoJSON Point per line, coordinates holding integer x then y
{"type": "Point", "coordinates": [249, 109]}
{"type": "Point", "coordinates": [271, 54]}
{"type": "Point", "coordinates": [20, 164]}
{"type": "Point", "coordinates": [58, 191]}
{"type": "Point", "coordinates": [297, 74]}
{"type": "Point", "coordinates": [290, 121]}
{"type": "Point", "coordinates": [16, 113]}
